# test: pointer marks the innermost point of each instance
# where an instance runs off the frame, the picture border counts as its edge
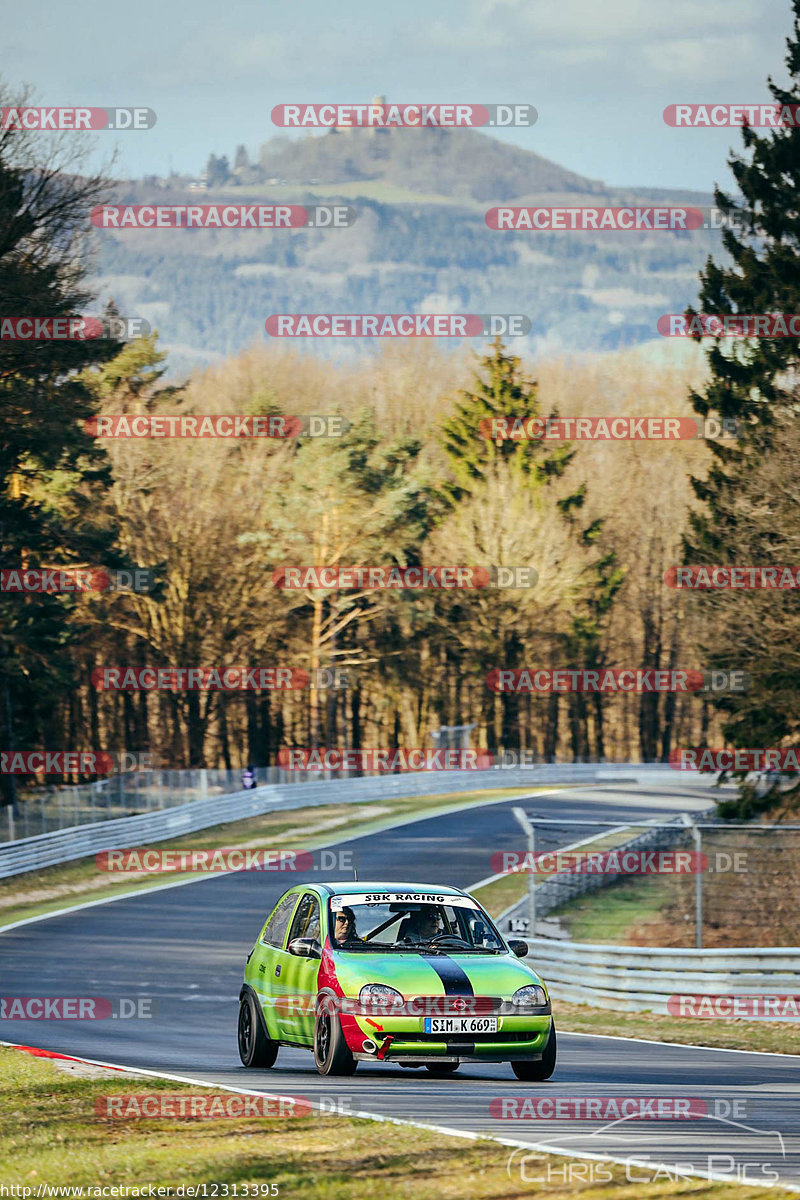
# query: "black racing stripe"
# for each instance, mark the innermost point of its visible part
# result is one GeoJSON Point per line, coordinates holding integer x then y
{"type": "Point", "coordinates": [454, 978]}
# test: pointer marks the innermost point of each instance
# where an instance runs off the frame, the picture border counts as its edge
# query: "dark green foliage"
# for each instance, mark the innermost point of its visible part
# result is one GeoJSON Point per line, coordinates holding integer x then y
{"type": "Point", "coordinates": [753, 383]}
{"type": "Point", "coordinates": [51, 471]}
{"type": "Point", "coordinates": [501, 391]}
{"type": "Point", "coordinates": [749, 515]}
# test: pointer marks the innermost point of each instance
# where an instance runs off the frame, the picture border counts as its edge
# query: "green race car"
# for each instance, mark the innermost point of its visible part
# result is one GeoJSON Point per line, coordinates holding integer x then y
{"type": "Point", "coordinates": [412, 974]}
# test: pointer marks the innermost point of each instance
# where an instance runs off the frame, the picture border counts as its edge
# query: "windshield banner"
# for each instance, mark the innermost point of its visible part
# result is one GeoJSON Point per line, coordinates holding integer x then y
{"type": "Point", "coordinates": [378, 898]}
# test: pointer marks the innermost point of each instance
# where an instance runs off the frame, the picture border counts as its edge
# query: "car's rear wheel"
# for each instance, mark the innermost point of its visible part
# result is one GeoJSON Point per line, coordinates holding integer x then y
{"type": "Point", "coordinates": [536, 1072]}
{"type": "Point", "coordinates": [331, 1054]}
{"type": "Point", "coordinates": [255, 1048]}
{"type": "Point", "coordinates": [442, 1068]}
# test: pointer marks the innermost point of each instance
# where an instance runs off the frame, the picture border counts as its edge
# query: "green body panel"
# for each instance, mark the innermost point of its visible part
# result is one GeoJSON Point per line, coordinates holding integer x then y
{"type": "Point", "coordinates": [280, 979]}
{"type": "Point", "coordinates": [413, 975]}
{"type": "Point", "coordinates": [407, 1047]}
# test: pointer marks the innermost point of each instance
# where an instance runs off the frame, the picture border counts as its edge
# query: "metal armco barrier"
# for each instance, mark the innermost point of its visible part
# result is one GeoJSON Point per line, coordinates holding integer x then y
{"type": "Point", "coordinates": [65, 845]}
{"type": "Point", "coordinates": [640, 979]}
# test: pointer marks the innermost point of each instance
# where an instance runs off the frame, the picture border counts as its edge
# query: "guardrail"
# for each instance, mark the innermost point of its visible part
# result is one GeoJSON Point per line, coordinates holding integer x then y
{"type": "Point", "coordinates": [640, 979]}
{"type": "Point", "coordinates": [65, 845]}
{"type": "Point", "coordinates": [132, 792]}
{"type": "Point", "coordinates": [123, 794]}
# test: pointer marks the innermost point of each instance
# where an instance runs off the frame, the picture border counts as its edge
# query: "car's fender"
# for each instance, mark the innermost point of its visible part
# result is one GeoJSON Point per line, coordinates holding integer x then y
{"type": "Point", "coordinates": [329, 987]}
{"type": "Point", "coordinates": [268, 1024]}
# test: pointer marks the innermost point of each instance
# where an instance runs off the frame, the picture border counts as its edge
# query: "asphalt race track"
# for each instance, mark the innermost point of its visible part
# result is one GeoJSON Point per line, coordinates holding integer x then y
{"type": "Point", "coordinates": [185, 947]}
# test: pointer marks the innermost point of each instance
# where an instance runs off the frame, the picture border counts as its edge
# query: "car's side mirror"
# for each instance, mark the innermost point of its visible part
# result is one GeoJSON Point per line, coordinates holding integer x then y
{"type": "Point", "coordinates": [519, 948]}
{"type": "Point", "coordinates": [305, 948]}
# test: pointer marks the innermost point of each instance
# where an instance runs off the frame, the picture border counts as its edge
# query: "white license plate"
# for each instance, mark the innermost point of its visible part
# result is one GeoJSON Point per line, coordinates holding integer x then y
{"type": "Point", "coordinates": [461, 1024]}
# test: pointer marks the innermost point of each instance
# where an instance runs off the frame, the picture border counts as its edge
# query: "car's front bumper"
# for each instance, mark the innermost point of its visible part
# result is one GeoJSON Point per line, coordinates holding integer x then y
{"type": "Point", "coordinates": [518, 1037]}
{"type": "Point", "coordinates": [412, 1054]}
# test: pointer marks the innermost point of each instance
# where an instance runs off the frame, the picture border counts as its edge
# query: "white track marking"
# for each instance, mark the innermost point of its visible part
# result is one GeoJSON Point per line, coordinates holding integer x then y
{"type": "Point", "coordinates": [467, 1135]}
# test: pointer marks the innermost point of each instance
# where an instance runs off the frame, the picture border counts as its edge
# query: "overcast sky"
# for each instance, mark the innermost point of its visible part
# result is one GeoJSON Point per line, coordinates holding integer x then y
{"type": "Point", "coordinates": [599, 72]}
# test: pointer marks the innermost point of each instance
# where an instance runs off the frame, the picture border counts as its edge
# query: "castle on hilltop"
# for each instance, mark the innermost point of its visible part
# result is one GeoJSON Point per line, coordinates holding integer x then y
{"type": "Point", "coordinates": [371, 130]}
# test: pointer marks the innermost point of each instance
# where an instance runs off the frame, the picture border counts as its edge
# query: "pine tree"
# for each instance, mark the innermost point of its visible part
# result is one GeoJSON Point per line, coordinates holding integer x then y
{"type": "Point", "coordinates": [750, 510]}
{"type": "Point", "coordinates": [217, 171]}
{"type": "Point", "coordinates": [753, 381]}
{"type": "Point", "coordinates": [50, 468]}
{"type": "Point", "coordinates": [502, 390]}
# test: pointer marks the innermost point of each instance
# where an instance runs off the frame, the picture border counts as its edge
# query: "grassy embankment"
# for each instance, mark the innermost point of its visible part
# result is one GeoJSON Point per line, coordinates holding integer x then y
{"type": "Point", "coordinates": [51, 1135]}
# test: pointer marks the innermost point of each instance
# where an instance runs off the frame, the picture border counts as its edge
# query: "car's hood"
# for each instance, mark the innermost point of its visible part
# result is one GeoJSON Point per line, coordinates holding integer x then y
{"type": "Point", "coordinates": [434, 974]}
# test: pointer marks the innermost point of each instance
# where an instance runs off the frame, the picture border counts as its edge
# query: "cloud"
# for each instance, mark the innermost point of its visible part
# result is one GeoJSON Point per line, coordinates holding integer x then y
{"type": "Point", "coordinates": [214, 56]}
{"type": "Point", "coordinates": [708, 59]}
{"type": "Point", "coordinates": [651, 43]}
{"type": "Point", "coordinates": [615, 20]}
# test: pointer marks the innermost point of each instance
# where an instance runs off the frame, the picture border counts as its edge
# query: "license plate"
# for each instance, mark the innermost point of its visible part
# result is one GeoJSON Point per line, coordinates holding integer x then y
{"type": "Point", "coordinates": [461, 1024]}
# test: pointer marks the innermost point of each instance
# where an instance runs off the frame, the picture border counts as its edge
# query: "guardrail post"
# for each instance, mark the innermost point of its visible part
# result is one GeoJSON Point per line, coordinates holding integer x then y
{"type": "Point", "coordinates": [697, 837]}
{"type": "Point", "coordinates": [698, 887]}
{"type": "Point", "coordinates": [532, 882]}
{"type": "Point", "coordinates": [530, 834]}
{"type": "Point", "coordinates": [11, 837]}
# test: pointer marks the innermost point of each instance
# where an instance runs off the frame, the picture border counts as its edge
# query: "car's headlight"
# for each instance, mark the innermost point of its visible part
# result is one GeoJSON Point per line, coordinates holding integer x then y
{"type": "Point", "coordinates": [531, 996]}
{"type": "Point", "coordinates": [379, 997]}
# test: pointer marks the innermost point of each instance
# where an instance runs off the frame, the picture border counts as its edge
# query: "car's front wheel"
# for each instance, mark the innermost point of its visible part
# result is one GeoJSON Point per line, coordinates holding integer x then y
{"type": "Point", "coordinates": [331, 1054]}
{"type": "Point", "coordinates": [255, 1048]}
{"type": "Point", "coordinates": [537, 1072]}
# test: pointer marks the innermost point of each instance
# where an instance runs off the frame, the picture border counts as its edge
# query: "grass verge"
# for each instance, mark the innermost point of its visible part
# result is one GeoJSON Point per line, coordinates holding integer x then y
{"type": "Point", "coordinates": [608, 915]}
{"type": "Point", "coordinates": [500, 894]}
{"type": "Point", "coordinates": [777, 1037]}
{"type": "Point", "coordinates": [39, 892]}
{"type": "Point", "coordinates": [51, 1136]}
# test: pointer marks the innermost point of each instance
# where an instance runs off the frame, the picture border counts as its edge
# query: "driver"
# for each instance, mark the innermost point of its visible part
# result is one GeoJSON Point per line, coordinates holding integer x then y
{"type": "Point", "coordinates": [344, 927]}
{"type": "Point", "coordinates": [423, 925]}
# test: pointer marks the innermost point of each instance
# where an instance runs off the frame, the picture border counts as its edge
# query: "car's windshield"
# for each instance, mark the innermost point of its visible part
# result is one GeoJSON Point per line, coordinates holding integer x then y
{"type": "Point", "coordinates": [412, 923]}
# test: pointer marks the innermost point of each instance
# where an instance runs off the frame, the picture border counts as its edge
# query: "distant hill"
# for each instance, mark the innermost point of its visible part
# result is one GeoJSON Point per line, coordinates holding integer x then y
{"type": "Point", "coordinates": [459, 163]}
{"type": "Point", "coordinates": [420, 243]}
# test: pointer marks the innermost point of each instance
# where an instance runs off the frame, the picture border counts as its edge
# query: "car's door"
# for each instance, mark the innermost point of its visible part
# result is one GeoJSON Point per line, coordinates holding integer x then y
{"type": "Point", "coordinates": [296, 1014]}
{"type": "Point", "coordinates": [272, 959]}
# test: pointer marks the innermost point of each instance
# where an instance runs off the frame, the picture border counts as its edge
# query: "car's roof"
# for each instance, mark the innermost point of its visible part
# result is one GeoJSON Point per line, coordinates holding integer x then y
{"type": "Point", "coordinates": [350, 887]}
